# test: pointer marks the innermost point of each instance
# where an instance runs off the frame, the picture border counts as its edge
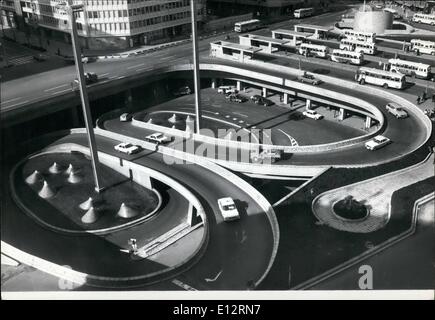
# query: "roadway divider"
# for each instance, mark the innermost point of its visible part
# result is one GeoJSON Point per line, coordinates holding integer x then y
{"type": "Point", "coordinates": [344, 83]}
{"type": "Point", "coordinates": [369, 110]}
{"type": "Point", "coordinates": [106, 281]}
{"type": "Point", "coordinates": [222, 172]}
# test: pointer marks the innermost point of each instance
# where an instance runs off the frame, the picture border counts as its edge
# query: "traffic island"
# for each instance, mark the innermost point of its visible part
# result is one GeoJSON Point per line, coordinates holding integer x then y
{"type": "Point", "coordinates": [60, 187]}
{"type": "Point", "coordinates": [350, 209]}
{"type": "Point", "coordinates": [91, 233]}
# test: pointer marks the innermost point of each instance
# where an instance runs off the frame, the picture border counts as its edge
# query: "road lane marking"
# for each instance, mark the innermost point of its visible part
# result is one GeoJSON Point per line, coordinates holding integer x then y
{"type": "Point", "coordinates": [121, 77]}
{"type": "Point", "coordinates": [136, 66]}
{"type": "Point", "coordinates": [104, 74]}
{"type": "Point", "coordinates": [10, 100]}
{"type": "Point", "coordinates": [215, 278]}
{"type": "Point", "coordinates": [16, 104]}
{"type": "Point", "coordinates": [113, 77]}
{"type": "Point", "coordinates": [143, 69]}
{"type": "Point", "coordinates": [183, 285]}
{"type": "Point", "coordinates": [293, 141]}
{"type": "Point", "coordinates": [61, 91]}
{"type": "Point", "coordinates": [54, 88]}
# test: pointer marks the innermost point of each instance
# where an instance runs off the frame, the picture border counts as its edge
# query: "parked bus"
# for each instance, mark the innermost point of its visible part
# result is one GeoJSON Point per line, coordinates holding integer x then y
{"type": "Point", "coordinates": [360, 36]}
{"type": "Point", "coordinates": [358, 46]}
{"type": "Point", "coordinates": [245, 26]}
{"type": "Point", "coordinates": [424, 18]}
{"type": "Point", "coordinates": [315, 50]}
{"type": "Point", "coordinates": [386, 79]}
{"type": "Point", "coordinates": [303, 12]}
{"type": "Point", "coordinates": [345, 56]}
{"type": "Point", "coordinates": [423, 46]}
{"type": "Point", "coordinates": [410, 68]}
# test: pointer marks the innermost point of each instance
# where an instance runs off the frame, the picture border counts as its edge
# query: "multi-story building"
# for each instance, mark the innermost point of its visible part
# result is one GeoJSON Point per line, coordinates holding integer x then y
{"type": "Point", "coordinates": [114, 23]}
{"type": "Point", "coordinates": [8, 13]}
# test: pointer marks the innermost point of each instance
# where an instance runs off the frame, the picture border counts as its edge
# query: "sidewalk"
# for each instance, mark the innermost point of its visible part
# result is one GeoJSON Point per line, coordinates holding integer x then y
{"type": "Point", "coordinates": [376, 195]}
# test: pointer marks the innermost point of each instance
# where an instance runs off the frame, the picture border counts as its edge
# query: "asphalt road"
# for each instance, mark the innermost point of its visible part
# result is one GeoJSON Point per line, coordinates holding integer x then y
{"type": "Point", "coordinates": [239, 251]}
{"type": "Point", "coordinates": [23, 91]}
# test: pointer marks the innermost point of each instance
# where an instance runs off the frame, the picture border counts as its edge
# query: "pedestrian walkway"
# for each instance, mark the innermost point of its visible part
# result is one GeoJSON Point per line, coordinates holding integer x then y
{"type": "Point", "coordinates": [375, 193]}
{"type": "Point", "coordinates": [19, 60]}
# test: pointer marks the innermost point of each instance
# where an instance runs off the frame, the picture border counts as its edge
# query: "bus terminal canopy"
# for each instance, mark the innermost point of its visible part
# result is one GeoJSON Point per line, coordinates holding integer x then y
{"type": "Point", "coordinates": [240, 47]}
{"type": "Point", "coordinates": [311, 27]}
{"type": "Point", "coordinates": [267, 39]}
{"type": "Point", "coordinates": [291, 33]}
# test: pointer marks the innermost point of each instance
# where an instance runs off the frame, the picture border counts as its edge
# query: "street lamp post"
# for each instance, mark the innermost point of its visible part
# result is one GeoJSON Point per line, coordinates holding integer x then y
{"type": "Point", "coordinates": [197, 79]}
{"type": "Point", "coordinates": [71, 9]}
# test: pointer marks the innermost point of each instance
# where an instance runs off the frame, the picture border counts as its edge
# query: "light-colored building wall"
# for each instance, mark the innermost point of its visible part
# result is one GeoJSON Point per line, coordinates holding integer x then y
{"type": "Point", "coordinates": [135, 21]}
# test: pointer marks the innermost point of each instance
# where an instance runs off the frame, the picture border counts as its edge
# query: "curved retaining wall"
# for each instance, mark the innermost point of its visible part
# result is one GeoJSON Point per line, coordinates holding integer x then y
{"type": "Point", "coordinates": [104, 281]}
{"type": "Point", "coordinates": [224, 173]}
{"type": "Point", "coordinates": [370, 109]}
{"type": "Point", "coordinates": [67, 149]}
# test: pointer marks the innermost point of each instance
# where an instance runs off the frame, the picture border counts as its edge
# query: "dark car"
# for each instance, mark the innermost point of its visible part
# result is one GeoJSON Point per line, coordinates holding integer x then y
{"type": "Point", "coordinates": [257, 99]}
{"type": "Point", "coordinates": [90, 78]}
{"type": "Point", "coordinates": [40, 57]}
{"type": "Point", "coordinates": [182, 91]}
{"type": "Point", "coordinates": [309, 78]}
{"type": "Point", "coordinates": [235, 97]}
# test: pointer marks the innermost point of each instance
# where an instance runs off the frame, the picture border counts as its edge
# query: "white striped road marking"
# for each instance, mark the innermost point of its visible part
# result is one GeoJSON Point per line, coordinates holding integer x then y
{"type": "Point", "coordinates": [54, 88]}
{"type": "Point", "coordinates": [16, 104]}
{"type": "Point", "coordinates": [183, 285]}
{"type": "Point", "coordinates": [113, 77]}
{"type": "Point", "coordinates": [136, 66]}
{"type": "Point", "coordinates": [121, 77]}
{"type": "Point", "coordinates": [215, 278]}
{"type": "Point", "coordinates": [61, 91]}
{"type": "Point", "coordinates": [104, 74]}
{"type": "Point", "coordinates": [10, 100]}
{"type": "Point", "coordinates": [143, 69]}
{"type": "Point", "coordinates": [293, 141]}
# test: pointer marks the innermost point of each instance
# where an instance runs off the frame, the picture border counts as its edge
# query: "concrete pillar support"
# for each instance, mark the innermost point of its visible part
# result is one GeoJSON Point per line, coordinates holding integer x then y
{"type": "Point", "coordinates": [239, 85]}
{"type": "Point", "coordinates": [308, 104]}
{"type": "Point", "coordinates": [213, 83]}
{"type": "Point", "coordinates": [264, 92]}
{"type": "Point", "coordinates": [341, 114]}
{"type": "Point", "coordinates": [285, 99]}
{"type": "Point", "coordinates": [368, 123]}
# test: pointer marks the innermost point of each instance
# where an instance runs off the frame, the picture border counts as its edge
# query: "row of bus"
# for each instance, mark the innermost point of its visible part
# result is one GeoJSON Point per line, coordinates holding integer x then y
{"type": "Point", "coordinates": [345, 55]}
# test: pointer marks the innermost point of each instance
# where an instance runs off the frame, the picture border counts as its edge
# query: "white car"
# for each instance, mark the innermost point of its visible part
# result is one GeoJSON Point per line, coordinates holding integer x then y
{"type": "Point", "coordinates": [127, 148]}
{"type": "Point", "coordinates": [228, 209]}
{"type": "Point", "coordinates": [377, 142]}
{"type": "Point", "coordinates": [227, 89]}
{"type": "Point", "coordinates": [158, 137]}
{"type": "Point", "coordinates": [312, 114]}
{"type": "Point", "coordinates": [396, 110]}
{"type": "Point", "coordinates": [125, 117]}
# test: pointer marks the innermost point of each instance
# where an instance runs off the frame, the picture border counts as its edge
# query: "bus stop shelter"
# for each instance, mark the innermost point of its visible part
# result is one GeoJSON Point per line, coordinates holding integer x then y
{"type": "Point", "coordinates": [317, 32]}
{"type": "Point", "coordinates": [294, 37]}
{"type": "Point", "coordinates": [266, 44]}
{"type": "Point", "coordinates": [229, 50]}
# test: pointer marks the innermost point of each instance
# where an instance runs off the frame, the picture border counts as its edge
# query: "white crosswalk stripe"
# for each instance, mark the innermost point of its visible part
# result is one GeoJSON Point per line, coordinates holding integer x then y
{"type": "Point", "coordinates": [19, 60]}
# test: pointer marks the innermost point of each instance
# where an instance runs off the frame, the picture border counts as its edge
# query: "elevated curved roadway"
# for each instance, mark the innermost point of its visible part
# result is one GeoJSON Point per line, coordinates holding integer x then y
{"type": "Point", "coordinates": [241, 251]}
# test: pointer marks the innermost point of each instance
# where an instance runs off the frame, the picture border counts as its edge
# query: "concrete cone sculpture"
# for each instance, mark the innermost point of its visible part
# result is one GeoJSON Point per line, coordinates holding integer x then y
{"type": "Point", "coordinates": [150, 120]}
{"type": "Point", "coordinates": [90, 216]}
{"type": "Point", "coordinates": [127, 212]}
{"type": "Point", "coordinates": [229, 136]}
{"type": "Point", "coordinates": [46, 191]}
{"type": "Point", "coordinates": [173, 118]}
{"type": "Point", "coordinates": [34, 177]}
{"type": "Point", "coordinates": [70, 169]}
{"type": "Point", "coordinates": [55, 168]}
{"type": "Point", "coordinates": [86, 205]}
{"type": "Point", "coordinates": [73, 177]}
